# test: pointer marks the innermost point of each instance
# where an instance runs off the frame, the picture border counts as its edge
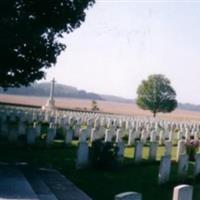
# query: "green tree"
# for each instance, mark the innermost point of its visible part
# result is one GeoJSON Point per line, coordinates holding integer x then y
{"type": "Point", "coordinates": [156, 94]}
{"type": "Point", "coordinates": [30, 36]}
{"type": "Point", "coordinates": [94, 106]}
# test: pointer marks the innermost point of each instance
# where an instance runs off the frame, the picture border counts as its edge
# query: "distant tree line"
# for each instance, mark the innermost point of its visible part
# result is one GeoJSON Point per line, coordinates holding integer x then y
{"type": "Point", "coordinates": [43, 89]}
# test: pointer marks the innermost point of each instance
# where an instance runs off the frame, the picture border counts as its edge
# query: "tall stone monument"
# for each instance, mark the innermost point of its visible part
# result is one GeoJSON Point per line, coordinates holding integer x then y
{"type": "Point", "coordinates": [50, 105]}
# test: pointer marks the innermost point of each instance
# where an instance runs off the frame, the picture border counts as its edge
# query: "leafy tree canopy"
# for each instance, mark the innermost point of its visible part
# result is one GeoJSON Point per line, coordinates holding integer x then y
{"type": "Point", "coordinates": [29, 36]}
{"type": "Point", "coordinates": [156, 94]}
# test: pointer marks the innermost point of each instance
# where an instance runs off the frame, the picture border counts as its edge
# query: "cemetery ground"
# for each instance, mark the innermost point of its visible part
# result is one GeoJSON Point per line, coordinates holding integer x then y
{"type": "Point", "coordinates": [101, 184]}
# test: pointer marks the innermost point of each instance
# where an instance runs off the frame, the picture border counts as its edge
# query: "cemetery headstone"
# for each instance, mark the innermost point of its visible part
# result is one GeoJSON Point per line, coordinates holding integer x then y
{"type": "Point", "coordinates": [128, 196]}
{"type": "Point", "coordinates": [183, 192]}
{"type": "Point", "coordinates": [164, 170]}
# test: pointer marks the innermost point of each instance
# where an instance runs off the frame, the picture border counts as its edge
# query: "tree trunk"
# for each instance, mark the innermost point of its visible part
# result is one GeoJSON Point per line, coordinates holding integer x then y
{"type": "Point", "coordinates": [154, 114]}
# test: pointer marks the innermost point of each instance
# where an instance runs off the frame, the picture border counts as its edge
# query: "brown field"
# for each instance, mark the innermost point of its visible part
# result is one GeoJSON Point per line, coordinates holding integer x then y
{"type": "Point", "coordinates": [105, 106]}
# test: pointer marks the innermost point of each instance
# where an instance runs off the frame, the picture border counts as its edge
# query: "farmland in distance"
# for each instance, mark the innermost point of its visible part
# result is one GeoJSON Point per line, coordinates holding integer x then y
{"type": "Point", "coordinates": [105, 106]}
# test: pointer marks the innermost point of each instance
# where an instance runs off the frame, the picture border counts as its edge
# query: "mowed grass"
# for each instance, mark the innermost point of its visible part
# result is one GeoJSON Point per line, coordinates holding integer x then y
{"type": "Point", "coordinates": [102, 185]}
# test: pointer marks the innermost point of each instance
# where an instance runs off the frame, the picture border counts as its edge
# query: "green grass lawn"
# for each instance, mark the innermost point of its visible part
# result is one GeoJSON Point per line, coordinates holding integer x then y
{"type": "Point", "coordinates": [102, 185]}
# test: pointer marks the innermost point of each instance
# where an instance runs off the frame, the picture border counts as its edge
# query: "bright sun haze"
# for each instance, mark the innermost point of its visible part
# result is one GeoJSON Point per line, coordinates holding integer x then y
{"type": "Point", "coordinates": [122, 42]}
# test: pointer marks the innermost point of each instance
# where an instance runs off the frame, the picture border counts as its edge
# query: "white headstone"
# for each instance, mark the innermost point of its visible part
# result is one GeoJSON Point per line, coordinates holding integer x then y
{"type": "Point", "coordinates": [183, 192]}
{"type": "Point", "coordinates": [196, 135]}
{"type": "Point", "coordinates": [153, 151]}
{"type": "Point", "coordinates": [168, 148]}
{"type": "Point", "coordinates": [13, 134]}
{"type": "Point", "coordinates": [183, 166]}
{"type": "Point", "coordinates": [128, 196]}
{"type": "Point", "coordinates": [68, 135]}
{"type": "Point", "coordinates": [138, 151]}
{"type": "Point", "coordinates": [83, 135]}
{"type": "Point", "coordinates": [120, 153]}
{"type": "Point", "coordinates": [82, 155]}
{"type": "Point", "coordinates": [93, 136]}
{"type": "Point", "coordinates": [153, 136]}
{"type": "Point", "coordinates": [144, 136]}
{"type": "Point", "coordinates": [197, 164]}
{"type": "Point", "coordinates": [180, 148]}
{"type": "Point", "coordinates": [31, 136]}
{"type": "Point", "coordinates": [108, 136]}
{"type": "Point", "coordinates": [161, 137]}
{"type": "Point", "coordinates": [118, 136]}
{"type": "Point", "coordinates": [164, 170]}
{"type": "Point", "coordinates": [131, 137]}
{"type": "Point", "coordinates": [37, 126]}
{"type": "Point", "coordinates": [51, 133]}
{"type": "Point", "coordinates": [4, 129]}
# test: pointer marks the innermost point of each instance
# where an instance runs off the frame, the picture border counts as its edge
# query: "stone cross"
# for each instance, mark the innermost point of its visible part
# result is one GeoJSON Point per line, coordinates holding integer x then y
{"type": "Point", "coordinates": [52, 89]}
{"type": "Point", "coordinates": [50, 105]}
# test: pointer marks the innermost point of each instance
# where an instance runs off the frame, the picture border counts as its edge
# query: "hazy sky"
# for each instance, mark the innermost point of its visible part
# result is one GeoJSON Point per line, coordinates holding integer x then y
{"type": "Point", "coordinates": [122, 42]}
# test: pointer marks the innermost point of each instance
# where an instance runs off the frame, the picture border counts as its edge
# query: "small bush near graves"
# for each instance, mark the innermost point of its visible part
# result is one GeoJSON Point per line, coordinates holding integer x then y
{"type": "Point", "coordinates": [192, 147]}
{"type": "Point", "coordinates": [104, 155]}
{"type": "Point", "coordinates": [59, 133]}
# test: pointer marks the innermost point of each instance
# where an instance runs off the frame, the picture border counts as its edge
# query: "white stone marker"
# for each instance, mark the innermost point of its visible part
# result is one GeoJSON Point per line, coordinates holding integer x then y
{"type": "Point", "coordinates": [120, 153]}
{"type": "Point", "coordinates": [138, 151]}
{"type": "Point", "coordinates": [161, 137]}
{"type": "Point", "coordinates": [164, 170]}
{"type": "Point", "coordinates": [187, 134]}
{"type": "Point", "coordinates": [77, 131]}
{"type": "Point", "coordinates": [197, 165]}
{"type": "Point", "coordinates": [144, 136]}
{"type": "Point", "coordinates": [4, 129]}
{"type": "Point", "coordinates": [31, 136]}
{"type": "Point", "coordinates": [51, 133]}
{"type": "Point", "coordinates": [131, 137]}
{"type": "Point", "coordinates": [183, 166]}
{"type": "Point", "coordinates": [93, 135]}
{"type": "Point", "coordinates": [153, 151]}
{"type": "Point", "coordinates": [118, 136]}
{"type": "Point", "coordinates": [38, 128]}
{"type": "Point", "coordinates": [168, 148]}
{"type": "Point", "coordinates": [83, 135]}
{"type": "Point", "coordinates": [180, 149]}
{"type": "Point", "coordinates": [183, 192]}
{"type": "Point", "coordinates": [50, 105]}
{"type": "Point", "coordinates": [82, 155]}
{"type": "Point", "coordinates": [153, 136]}
{"type": "Point", "coordinates": [128, 196]}
{"type": "Point", "coordinates": [196, 135]}
{"type": "Point", "coordinates": [12, 135]}
{"type": "Point", "coordinates": [68, 136]}
{"type": "Point", "coordinates": [180, 135]}
{"type": "Point", "coordinates": [171, 136]}
{"type": "Point", "coordinates": [108, 136]}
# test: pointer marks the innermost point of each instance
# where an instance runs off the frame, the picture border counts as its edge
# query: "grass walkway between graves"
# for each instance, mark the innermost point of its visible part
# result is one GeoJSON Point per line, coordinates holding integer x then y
{"type": "Point", "coordinates": [101, 185]}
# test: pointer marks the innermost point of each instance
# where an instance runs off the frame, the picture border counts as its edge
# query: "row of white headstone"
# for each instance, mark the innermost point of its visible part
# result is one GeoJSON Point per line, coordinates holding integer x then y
{"type": "Point", "coordinates": [181, 192]}
{"type": "Point", "coordinates": [96, 120]}
{"type": "Point", "coordinates": [12, 132]}
{"type": "Point", "coordinates": [183, 162]}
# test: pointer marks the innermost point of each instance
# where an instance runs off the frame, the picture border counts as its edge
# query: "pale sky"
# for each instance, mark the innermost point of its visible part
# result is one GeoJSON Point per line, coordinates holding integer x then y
{"type": "Point", "coordinates": [122, 42]}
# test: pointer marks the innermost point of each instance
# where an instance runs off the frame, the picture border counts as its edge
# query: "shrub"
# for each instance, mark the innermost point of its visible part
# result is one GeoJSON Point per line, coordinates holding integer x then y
{"type": "Point", "coordinates": [192, 146]}
{"type": "Point", "coordinates": [104, 155]}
